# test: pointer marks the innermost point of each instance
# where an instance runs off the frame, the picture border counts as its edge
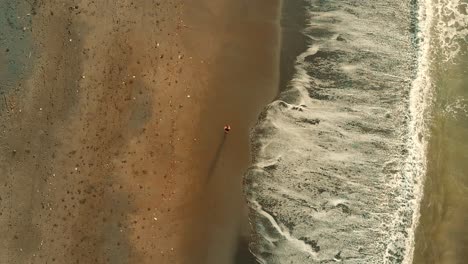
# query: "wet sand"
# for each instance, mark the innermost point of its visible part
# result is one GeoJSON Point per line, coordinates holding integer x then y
{"type": "Point", "coordinates": [111, 121]}
{"type": "Point", "coordinates": [241, 86]}
{"type": "Point", "coordinates": [442, 235]}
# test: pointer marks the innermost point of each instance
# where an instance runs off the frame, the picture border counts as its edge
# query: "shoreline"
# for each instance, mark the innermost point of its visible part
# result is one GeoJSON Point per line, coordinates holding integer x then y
{"type": "Point", "coordinates": [292, 43]}
{"type": "Point", "coordinates": [440, 233]}
{"type": "Point", "coordinates": [335, 99]}
{"type": "Point", "coordinates": [419, 105]}
{"type": "Point", "coordinates": [293, 40]}
{"type": "Point", "coordinates": [243, 81]}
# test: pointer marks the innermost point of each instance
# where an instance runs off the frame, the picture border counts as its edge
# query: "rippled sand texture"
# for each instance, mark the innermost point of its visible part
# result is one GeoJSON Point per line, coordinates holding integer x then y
{"type": "Point", "coordinates": [111, 112]}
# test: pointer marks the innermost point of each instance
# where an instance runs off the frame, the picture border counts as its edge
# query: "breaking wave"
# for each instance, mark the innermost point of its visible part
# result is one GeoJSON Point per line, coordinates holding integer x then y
{"type": "Point", "coordinates": [339, 157]}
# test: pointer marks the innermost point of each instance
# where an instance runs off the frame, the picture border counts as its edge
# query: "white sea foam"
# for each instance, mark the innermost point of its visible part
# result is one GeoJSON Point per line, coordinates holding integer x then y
{"type": "Point", "coordinates": [414, 169]}
{"type": "Point", "coordinates": [443, 24]}
{"type": "Point", "coordinates": [451, 25]}
{"type": "Point", "coordinates": [296, 243]}
{"type": "Point", "coordinates": [457, 109]}
{"type": "Point", "coordinates": [333, 177]}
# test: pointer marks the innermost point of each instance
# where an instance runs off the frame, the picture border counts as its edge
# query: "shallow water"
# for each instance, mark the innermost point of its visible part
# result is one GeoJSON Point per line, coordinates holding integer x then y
{"type": "Point", "coordinates": [337, 160]}
{"type": "Point", "coordinates": [374, 112]}
{"type": "Point", "coordinates": [442, 235]}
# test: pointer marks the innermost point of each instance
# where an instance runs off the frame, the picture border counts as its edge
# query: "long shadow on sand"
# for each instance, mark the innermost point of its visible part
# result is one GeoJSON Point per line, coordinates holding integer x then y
{"type": "Point", "coordinates": [216, 157]}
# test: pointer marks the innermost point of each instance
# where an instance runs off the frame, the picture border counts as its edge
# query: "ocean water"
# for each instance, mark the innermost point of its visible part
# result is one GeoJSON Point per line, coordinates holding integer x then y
{"type": "Point", "coordinates": [340, 157]}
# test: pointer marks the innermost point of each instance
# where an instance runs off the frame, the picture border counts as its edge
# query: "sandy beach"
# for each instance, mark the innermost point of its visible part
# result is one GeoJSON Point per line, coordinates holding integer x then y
{"type": "Point", "coordinates": [112, 138]}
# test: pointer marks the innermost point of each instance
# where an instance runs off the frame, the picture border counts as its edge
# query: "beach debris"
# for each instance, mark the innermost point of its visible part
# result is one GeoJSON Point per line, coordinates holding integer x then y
{"type": "Point", "coordinates": [227, 128]}
{"type": "Point", "coordinates": [188, 95]}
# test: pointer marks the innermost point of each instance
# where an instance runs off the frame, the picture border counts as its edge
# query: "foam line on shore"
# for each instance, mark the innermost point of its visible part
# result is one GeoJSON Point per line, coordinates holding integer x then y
{"type": "Point", "coordinates": [420, 97]}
